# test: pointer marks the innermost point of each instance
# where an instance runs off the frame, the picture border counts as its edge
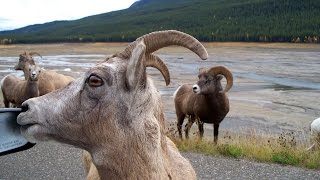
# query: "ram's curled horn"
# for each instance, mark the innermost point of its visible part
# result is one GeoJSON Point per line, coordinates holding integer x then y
{"type": "Point", "coordinates": [226, 73]}
{"type": "Point", "coordinates": [160, 39]}
{"type": "Point", "coordinates": [34, 53]}
{"type": "Point", "coordinates": [151, 61]}
{"type": "Point", "coordinates": [154, 61]}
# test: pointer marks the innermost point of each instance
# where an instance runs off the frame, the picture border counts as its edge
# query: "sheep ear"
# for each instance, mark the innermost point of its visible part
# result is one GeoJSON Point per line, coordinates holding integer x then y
{"type": "Point", "coordinates": [219, 77]}
{"type": "Point", "coordinates": [136, 71]}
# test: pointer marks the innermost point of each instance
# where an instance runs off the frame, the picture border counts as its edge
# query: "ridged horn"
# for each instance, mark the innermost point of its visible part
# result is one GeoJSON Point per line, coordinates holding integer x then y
{"type": "Point", "coordinates": [34, 53]}
{"type": "Point", "coordinates": [159, 39]}
{"type": "Point", "coordinates": [155, 62]}
{"type": "Point", "coordinates": [226, 73]}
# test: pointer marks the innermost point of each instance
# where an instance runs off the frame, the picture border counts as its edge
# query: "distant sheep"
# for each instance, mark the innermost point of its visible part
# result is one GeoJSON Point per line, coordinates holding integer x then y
{"type": "Point", "coordinates": [205, 101]}
{"type": "Point", "coordinates": [49, 80]}
{"type": "Point", "coordinates": [16, 91]}
{"type": "Point", "coordinates": [315, 134]}
{"type": "Point", "coordinates": [25, 59]}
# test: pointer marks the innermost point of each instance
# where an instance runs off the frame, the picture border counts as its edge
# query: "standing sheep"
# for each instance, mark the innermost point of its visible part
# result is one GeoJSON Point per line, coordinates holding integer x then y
{"type": "Point", "coordinates": [48, 80]}
{"type": "Point", "coordinates": [205, 101]}
{"type": "Point", "coordinates": [16, 91]}
{"type": "Point", "coordinates": [114, 112]}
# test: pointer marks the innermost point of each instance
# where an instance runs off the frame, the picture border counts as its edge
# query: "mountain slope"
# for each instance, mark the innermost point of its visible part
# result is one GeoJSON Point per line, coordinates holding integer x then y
{"type": "Point", "coordinates": [207, 20]}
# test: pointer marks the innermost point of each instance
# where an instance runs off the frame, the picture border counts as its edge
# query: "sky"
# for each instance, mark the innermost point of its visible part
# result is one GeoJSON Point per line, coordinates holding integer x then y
{"type": "Point", "coordinates": [19, 13]}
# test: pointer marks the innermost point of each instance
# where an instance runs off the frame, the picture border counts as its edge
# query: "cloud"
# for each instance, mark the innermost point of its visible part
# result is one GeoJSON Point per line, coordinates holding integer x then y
{"type": "Point", "coordinates": [20, 13]}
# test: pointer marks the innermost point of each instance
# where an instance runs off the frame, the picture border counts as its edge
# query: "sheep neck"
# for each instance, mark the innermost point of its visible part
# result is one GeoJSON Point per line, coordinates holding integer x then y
{"type": "Point", "coordinates": [135, 157]}
{"type": "Point", "coordinates": [130, 164]}
{"type": "Point", "coordinates": [32, 88]}
{"type": "Point", "coordinates": [211, 98]}
{"type": "Point", "coordinates": [215, 101]}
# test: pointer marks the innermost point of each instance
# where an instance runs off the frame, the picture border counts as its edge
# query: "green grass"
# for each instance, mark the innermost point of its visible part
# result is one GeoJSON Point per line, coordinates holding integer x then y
{"type": "Point", "coordinates": [284, 149]}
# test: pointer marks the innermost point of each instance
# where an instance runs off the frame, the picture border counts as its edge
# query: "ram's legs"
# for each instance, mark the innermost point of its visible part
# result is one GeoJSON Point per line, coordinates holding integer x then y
{"type": "Point", "coordinates": [215, 133]}
{"type": "Point", "coordinates": [200, 127]}
{"type": "Point", "coordinates": [179, 124]}
{"type": "Point", "coordinates": [191, 120]}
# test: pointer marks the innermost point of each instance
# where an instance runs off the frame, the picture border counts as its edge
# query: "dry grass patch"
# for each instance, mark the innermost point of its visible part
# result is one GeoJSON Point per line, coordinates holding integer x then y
{"type": "Point", "coordinates": [284, 149]}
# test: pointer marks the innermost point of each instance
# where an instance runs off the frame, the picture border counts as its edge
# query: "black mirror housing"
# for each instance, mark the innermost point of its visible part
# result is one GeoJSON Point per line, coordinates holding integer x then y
{"type": "Point", "coordinates": [11, 140]}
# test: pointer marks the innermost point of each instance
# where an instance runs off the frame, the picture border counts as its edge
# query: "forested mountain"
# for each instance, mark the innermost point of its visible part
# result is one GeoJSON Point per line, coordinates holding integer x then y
{"type": "Point", "coordinates": [207, 20]}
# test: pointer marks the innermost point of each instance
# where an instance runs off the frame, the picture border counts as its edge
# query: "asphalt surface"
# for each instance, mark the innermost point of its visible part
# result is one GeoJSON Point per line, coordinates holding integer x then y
{"type": "Point", "coordinates": [55, 162]}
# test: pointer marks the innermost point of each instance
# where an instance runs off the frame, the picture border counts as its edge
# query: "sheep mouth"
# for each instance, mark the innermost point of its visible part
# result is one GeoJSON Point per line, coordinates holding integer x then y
{"type": "Point", "coordinates": [29, 130]}
{"type": "Point", "coordinates": [24, 121]}
{"type": "Point", "coordinates": [26, 127]}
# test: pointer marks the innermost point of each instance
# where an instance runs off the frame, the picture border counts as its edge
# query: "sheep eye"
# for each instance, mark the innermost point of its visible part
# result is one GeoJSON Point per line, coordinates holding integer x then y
{"type": "Point", "coordinates": [95, 81]}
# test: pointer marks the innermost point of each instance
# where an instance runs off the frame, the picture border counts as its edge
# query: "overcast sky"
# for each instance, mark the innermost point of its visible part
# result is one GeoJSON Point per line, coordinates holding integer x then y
{"type": "Point", "coordinates": [19, 13]}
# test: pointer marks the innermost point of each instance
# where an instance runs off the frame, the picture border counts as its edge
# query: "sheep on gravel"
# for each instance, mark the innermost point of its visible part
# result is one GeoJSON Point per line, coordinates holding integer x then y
{"type": "Point", "coordinates": [205, 101]}
{"type": "Point", "coordinates": [114, 112]}
{"type": "Point", "coordinates": [16, 91]}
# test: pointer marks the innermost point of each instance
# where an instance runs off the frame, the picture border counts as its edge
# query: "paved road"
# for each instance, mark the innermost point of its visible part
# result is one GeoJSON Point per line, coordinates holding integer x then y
{"type": "Point", "coordinates": [55, 162]}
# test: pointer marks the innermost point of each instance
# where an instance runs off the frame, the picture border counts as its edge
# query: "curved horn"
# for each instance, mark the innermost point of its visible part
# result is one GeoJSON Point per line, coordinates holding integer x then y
{"type": "Point", "coordinates": [155, 62]}
{"type": "Point", "coordinates": [34, 53]}
{"type": "Point", "coordinates": [226, 73]}
{"type": "Point", "coordinates": [159, 39]}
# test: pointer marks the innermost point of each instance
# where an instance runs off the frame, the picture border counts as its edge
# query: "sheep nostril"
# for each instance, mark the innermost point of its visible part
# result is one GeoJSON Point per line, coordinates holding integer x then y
{"type": "Point", "coordinates": [194, 88]}
{"type": "Point", "coordinates": [24, 107]}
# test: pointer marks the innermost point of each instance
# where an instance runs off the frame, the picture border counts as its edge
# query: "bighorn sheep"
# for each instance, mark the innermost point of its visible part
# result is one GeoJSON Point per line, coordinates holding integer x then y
{"type": "Point", "coordinates": [205, 101]}
{"type": "Point", "coordinates": [315, 134]}
{"type": "Point", "coordinates": [16, 91]}
{"type": "Point", "coordinates": [25, 59]}
{"type": "Point", "coordinates": [49, 80]}
{"type": "Point", "coordinates": [114, 111]}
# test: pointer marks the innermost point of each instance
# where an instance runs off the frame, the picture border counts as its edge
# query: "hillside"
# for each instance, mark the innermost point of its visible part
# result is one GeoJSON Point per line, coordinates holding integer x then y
{"type": "Point", "coordinates": [207, 20]}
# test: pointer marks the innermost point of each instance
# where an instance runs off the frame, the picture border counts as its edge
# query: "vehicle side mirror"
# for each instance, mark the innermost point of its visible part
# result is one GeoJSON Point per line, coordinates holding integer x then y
{"type": "Point", "coordinates": [11, 140]}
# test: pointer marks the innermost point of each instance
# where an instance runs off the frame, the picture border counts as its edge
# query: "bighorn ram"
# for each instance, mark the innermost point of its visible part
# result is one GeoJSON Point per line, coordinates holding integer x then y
{"type": "Point", "coordinates": [49, 80]}
{"type": "Point", "coordinates": [16, 91]}
{"type": "Point", "coordinates": [315, 134]}
{"type": "Point", "coordinates": [115, 113]}
{"type": "Point", "coordinates": [206, 100]}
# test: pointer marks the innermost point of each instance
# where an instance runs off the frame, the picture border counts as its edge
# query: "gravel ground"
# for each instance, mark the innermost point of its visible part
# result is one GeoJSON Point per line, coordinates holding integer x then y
{"type": "Point", "coordinates": [208, 167]}
{"type": "Point", "coordinates": [55, 162]}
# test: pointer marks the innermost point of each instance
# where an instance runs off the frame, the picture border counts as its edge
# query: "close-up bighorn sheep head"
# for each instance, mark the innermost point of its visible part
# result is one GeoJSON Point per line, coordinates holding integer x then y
{"type": "Point", "coordinates": [113, 110]}
{"type": "Point", "coordinates": [210, 80]}
{"type": "Point", "coordinates": [26, 58]}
